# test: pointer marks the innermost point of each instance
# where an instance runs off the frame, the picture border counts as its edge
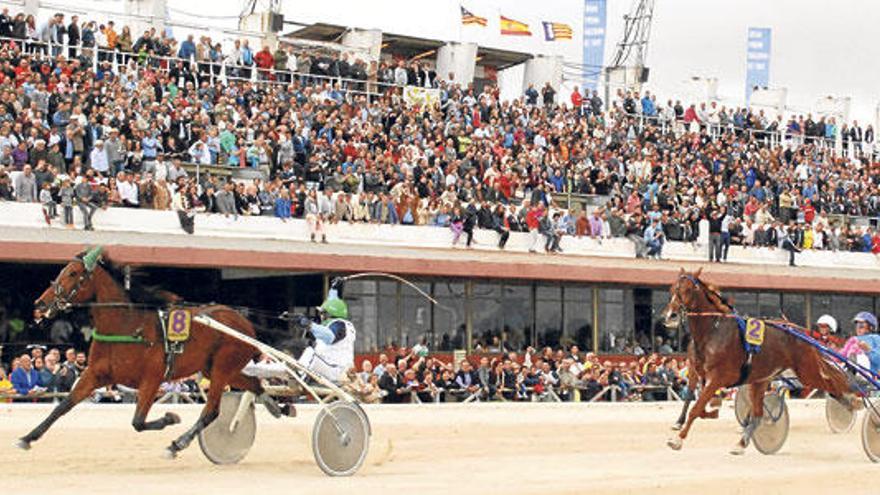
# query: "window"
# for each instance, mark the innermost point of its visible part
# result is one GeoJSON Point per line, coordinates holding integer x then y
{"type": "Point", "coordinates": [415, 321]}
{"type": "Point", "coordinates": [548, 315]}
{"type": "Point", "coordinates": [794, 307]}
{"type": "Point", "coordinates": [450, 332]}
{"type": "Point", "coordinates": [516, 316]}
{"type": "Point", "coordinates": [769, 305]}
{"type": "Point", "coordinates": [577, 317]}
{"type": "Point", "coordinates": [362, 307]}
{"type": "Point", "coordinates": [616, 320]}
{"type": "Point", "coordinates": [486, 313]}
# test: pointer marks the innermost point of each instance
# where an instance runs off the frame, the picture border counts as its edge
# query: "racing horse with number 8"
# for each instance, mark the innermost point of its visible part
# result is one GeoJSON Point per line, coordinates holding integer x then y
{"type": "Point", "coordinates": [131, 346]}
{"type": "Point", "coordinates": [724, 357]}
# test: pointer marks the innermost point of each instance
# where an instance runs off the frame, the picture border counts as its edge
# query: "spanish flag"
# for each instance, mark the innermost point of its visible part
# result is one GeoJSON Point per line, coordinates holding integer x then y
{"type": "Point", "coordinates": [514, 28]}
{"type": "Point", "coordinates": [469, 19]}
{"type": "Point", "coordinates": [554, 31]}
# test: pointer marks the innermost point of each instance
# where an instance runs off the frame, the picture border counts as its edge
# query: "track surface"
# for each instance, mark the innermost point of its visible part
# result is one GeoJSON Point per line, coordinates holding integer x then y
{"type": "Point", "coordinates": [447, 449]}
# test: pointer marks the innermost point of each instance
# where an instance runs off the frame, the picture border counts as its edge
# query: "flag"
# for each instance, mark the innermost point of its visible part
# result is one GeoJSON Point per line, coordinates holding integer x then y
{"type": "Point", "coordinates": [469, 19]}
{"type": "Point", "coordinates": [514, 28]}
{"type": "Point", "coordinates": [554, 31]}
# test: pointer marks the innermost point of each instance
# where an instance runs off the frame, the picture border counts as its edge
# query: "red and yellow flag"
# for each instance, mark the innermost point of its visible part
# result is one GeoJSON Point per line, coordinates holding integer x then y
{"type": "Point", "coordinates": [514, 28]}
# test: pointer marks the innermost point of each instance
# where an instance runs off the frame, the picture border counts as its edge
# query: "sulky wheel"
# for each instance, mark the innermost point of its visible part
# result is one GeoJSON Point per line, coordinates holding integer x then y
{"type": "Point", "coordinates": [218, 443]}
{"type": "Point", "coordinates": [840, 417]}
{"type": "Point", "coordinates": [340, 438]}
{"type": "Point", "coordinates": [771, 433]}
{"type": "Point", "coordinates": [742, 405]}
{"type": "Point", "coordinates": [871, 433]}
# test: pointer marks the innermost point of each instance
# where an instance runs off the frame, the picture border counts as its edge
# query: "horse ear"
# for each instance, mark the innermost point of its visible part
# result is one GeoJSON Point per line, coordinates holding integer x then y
{"type": "Point", "coordinates": [91, 258]}
{"type": "Point", "coordinates": [681, 270]}
{"type": "Point", "coordinates": [698, 272]}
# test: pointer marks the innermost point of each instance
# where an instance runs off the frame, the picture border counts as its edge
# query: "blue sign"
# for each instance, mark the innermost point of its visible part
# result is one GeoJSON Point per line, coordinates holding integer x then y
{"type": "Point", "coordinates": [757, 60]}
{"type": "Point", "coordinates": [594, 42]}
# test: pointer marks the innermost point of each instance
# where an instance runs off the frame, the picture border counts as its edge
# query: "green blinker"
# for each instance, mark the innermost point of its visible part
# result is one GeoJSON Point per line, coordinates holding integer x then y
{"type": "Point", "coordinates": [90, 260]}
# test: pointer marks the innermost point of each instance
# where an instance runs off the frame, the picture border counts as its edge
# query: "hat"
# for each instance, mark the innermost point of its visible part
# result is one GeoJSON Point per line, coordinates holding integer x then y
{"type": "Point", "coordinates": [829, 321]}
{"type": "Point", "coordinates": [866, 317]}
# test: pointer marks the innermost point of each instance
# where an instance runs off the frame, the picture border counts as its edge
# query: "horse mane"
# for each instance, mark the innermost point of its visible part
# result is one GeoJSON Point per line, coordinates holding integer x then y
{"type": "Point", "coordinates": [139, 292]}
{"type": "Point", "coordinates": [714, 295]}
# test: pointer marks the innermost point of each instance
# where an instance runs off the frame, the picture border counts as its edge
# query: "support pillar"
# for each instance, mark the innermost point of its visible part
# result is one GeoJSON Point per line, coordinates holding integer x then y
{"type": "Point", "coordinates": [456, 62]}
{"type": "Point", "coordinates": [543, 69]}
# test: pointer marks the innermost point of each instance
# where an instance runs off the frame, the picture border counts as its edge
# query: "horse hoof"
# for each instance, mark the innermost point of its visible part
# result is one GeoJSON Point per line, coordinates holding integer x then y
{"type": "Point", "coordinates": [23, 444]}
{"type": "Point", "coordinates": [171, 418]}
{"type": "Point", "coordinates": [169, 454]}
{"type": "Point", "coordinates": [738, 450]}
{"type": "Point", "coordinates": [674, 443]}
{"type": "Point", "coordinates": [676, 427]}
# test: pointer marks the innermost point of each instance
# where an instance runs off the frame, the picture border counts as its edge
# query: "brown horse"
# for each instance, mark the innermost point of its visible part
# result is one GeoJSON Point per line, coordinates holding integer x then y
{"type": "Point", "coordinates": [131, 347]}
{"type": "Point", "coordinates": [721, 360]}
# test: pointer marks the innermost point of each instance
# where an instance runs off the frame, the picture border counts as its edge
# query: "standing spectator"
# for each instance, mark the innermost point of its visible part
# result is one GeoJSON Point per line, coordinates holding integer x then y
{"type": "Point", "coordinates": [73, 37]}
{"type": "Point", "coordinates": [26, 186]}
{"type": "Point", "coordinates": [265, 62]}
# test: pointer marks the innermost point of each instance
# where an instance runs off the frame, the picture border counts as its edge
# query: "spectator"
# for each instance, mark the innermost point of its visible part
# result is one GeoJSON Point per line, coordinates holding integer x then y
{"type": "Point", "coordinates": [25, 379]}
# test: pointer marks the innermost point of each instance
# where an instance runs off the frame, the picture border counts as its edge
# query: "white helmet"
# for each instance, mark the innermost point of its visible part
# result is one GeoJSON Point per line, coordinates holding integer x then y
{"type": "Point", "coordinates": [828, 320]}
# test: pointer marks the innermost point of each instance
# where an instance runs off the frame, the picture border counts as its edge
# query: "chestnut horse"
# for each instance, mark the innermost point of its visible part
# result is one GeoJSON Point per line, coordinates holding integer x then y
{"type": "Point", "coordinates": [720, 358]}
{"type": "Point", "coordinates": [131, 350]}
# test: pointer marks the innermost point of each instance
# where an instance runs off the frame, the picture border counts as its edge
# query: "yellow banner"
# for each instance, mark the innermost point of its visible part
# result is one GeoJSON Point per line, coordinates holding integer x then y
{"type": "Point", "coordinates": [415, 95]}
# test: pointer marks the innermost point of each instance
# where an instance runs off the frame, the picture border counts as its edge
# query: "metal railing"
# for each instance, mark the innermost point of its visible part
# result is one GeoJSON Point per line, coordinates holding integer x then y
{"type": "Point", "coordinates": [839, 146]}
{"type": "Point", "coordinates": [204, 70]}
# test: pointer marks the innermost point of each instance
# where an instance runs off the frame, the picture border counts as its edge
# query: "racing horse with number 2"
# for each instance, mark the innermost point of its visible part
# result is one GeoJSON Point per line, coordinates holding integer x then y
{"type": "Point", "coordinates": [129, 346]}
{"type": "Point", "coordinates": [721, 359]}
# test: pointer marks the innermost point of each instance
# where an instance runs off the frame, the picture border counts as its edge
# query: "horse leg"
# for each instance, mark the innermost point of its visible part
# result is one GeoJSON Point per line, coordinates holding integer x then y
{"type": "Point", "coordinates": [146, 397]}
{"type": "Point", "coordinates": [209, 414]}
{"type": "Point", "coordinates": [699, 408]}
{"type": "Point", "coordinates": [252, 384]}
{"type": "Point", "coordinates": [756, 395]}
{"type": "Point", "coordinates": [84, 387]}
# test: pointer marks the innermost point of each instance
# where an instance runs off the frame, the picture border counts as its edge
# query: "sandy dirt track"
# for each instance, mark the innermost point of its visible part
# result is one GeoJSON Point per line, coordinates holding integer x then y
{"type": "Point", "coordinates": [447, 449]}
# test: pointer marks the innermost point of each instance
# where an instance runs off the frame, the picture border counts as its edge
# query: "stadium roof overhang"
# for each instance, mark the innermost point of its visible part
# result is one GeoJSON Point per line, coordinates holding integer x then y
{"type": "Point", "coordinates": [403, 46]}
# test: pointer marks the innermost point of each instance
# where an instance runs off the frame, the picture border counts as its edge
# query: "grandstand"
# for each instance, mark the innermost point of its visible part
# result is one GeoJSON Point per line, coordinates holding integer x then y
{"type": "Point", "coordinates": [210, 166]}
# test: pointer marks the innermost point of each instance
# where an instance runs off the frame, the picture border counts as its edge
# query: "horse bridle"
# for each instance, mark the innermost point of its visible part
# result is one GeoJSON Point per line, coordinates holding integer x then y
{"type": "Point", "coordinates": [682, 312]}
{"type": "Point", "coordinates": [62, 302]}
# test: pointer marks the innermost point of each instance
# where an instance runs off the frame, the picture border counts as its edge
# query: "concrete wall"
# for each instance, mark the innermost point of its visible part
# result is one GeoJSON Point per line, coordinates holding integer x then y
{"type": "Point", "coordinates": [219, 231]}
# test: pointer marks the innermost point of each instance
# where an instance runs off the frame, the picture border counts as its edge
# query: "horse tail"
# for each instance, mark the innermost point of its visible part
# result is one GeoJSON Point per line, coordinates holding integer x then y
{"type": "Point", "coordinates": [836, 380]}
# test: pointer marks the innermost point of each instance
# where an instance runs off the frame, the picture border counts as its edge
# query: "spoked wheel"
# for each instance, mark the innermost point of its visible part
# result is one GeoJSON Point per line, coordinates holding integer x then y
{"type": "Point", "coordinates": [871, 433]}
{"type": "Point", "coordinates": [341, 438]}
{"type": "Point", "coordinates": [772, 432]}
{"type": "Point", "coordinates": [840, 418]}
{"type": "Point", "coordinates": [220, 441]}
{"type": "Point", "coordinates": [742, 405]}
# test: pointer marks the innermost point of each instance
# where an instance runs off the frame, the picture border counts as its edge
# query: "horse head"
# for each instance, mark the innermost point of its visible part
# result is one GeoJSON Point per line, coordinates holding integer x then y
{"type": "Point", "coordinates": [75, 284]}
{"type": "Point", "coordinates": [683, 297]}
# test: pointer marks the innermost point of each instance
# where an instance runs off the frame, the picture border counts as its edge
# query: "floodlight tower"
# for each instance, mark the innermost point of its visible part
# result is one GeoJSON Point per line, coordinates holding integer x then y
{"type": "Point", "coordinates": [627, 68]}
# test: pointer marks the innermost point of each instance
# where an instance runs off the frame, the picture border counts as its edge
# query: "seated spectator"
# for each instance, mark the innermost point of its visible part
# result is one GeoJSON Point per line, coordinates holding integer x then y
{"type": "Point", "coordinates": [25, 379]}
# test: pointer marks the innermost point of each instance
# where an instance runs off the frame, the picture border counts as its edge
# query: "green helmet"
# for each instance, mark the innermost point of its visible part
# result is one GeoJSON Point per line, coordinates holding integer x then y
{"type": "Point", "coordinates": [335, 308]}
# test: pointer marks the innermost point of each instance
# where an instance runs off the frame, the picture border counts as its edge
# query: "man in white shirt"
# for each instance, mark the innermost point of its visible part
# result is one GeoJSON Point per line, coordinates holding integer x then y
{"type": "Point", "coordinates": [98, 158]}
{"type": "Point", "coordinates": [128, 190]}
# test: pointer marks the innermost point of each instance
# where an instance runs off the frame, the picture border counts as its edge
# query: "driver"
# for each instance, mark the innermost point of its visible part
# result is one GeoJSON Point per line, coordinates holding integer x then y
{"type": "Point", "coordinates": [868, 339]}
{"type": "Point", "coordinates": [333, 351]}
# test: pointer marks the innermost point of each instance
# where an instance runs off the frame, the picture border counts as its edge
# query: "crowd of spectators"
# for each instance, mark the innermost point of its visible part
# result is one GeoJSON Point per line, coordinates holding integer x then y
{"type": "Point", "coordinates": [338, 146]}
{"type": "Point", "coordinates": [412, 375]}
